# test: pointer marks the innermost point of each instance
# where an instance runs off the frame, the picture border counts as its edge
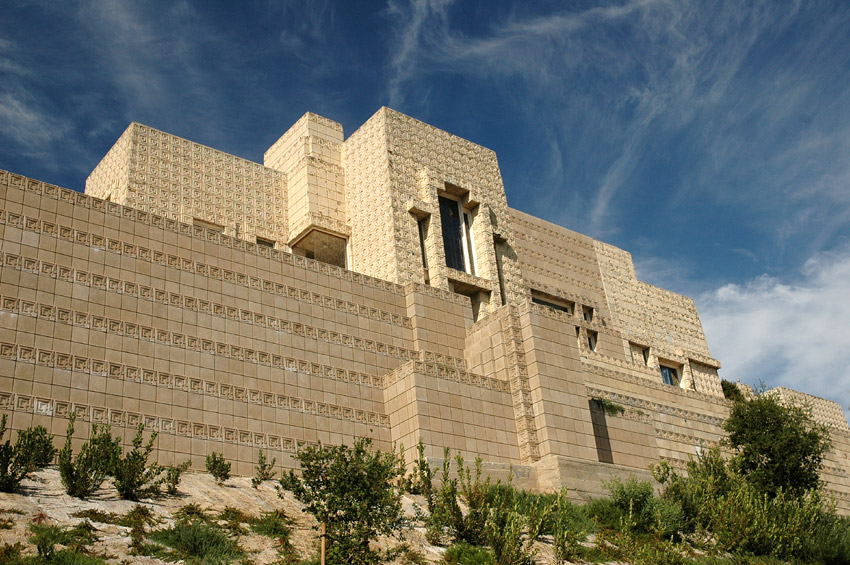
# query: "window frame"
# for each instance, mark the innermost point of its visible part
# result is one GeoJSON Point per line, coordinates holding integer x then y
{"type": "Point", "coordinates": [466, 233]}
{"type": "Point", "coordinates": [673, 372]}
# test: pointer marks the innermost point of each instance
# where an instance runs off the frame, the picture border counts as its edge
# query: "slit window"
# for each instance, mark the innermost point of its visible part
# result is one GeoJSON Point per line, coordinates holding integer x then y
{"type": "Point", "coordinates": [587, 313]}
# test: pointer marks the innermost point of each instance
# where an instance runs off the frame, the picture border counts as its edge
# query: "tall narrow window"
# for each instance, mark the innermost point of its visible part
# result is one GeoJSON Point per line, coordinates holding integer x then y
{"type": "Point", "coordinates": [498, 252]}
{"type": "Point", "coordinates": [452, 236]}
{"type": "Point", "coordinates": [422, 231]}
{"type": "Point", "coordinates": [457, 235]}
{"type": "Point", "coordinates": [469, 255]}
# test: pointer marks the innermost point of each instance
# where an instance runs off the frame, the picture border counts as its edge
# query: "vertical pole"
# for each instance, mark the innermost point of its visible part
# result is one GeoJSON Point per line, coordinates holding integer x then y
{"type": "Point", "coordinates": [324, 531]}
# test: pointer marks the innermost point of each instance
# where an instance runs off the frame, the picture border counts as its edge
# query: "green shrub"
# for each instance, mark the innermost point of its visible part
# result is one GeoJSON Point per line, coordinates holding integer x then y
{"type": "Point", "coordinates": [445, 521]}
{"type": "Point", "coordinates": [570, 528]}
{"type": "Point", "coordinates": [193, 513]}
{"type": "Point", "coordinates": [510, 534]}
{"type": "Point", "coordinates": [218, 467]}
{"type": "Point", "coordinates": [264, 470]}
{"type": "Point", "coordinates": [134, 478]}
{"type": "Point", "coordinates": [35, 445]}
{"type": "Point", "coordinates": [465, 554]}
{"type": "Point", "coordinates": [349, 490]}
{"type": "Point", "coordinates": [138, 519]}
{"type": "Point", "coordinates": [777, 447]}
{"type": "Point", "coordinates": [77, 539]}
{"type": "Point", "coordinates": [829, 542]}
{"type": "Point", "coordinates": [233, 519]}
{"type": "Point", "coordinates": [273, 524]}
{"type": "Point", "coordinates": [421, 480]}
{"type": "Point", "coordinates": [731, 391]}
{"type": "Point", "coordinates": [194, 542]}
{"type": "Point", "coordinates": [173, 475]}
{"type": "Point", "coordinates": [13, 466]}
{"type": "Point", "coordinates": [604, 512]}
{"type": "Point", "coordinates": [84, 475]}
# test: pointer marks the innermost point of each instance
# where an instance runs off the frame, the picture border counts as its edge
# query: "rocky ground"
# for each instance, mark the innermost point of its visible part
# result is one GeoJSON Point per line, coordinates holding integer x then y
{"type": "Point", "coordinates": [43, 497]}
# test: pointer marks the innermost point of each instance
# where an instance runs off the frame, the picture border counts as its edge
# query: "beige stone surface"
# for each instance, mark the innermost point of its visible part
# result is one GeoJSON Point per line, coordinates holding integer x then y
{"type": "Point", "coordinates": [151, 299]}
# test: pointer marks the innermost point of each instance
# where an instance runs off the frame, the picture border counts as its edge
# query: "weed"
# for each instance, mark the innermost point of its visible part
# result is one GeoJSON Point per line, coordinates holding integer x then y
{"type": "Point", "coordinates": [195, 542]}
{"type": "Point", "coordinates": [274, 524]}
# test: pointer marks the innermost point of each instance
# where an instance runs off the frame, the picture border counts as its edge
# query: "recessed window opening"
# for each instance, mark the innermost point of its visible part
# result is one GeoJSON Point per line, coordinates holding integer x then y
{"type": "Point", "coordinates": [669, 375]}
{"type": "Point", "coordinates": [592, 339]}
{"type": "Point", "coordinates": [498, 249]}
{"type": "Point", "coordinates": [208, 225]}
{"type": "Point", "coordinates": [640, 353]}
{"type": "Point", "coordinates": [422, 226]}
{"type": "Point", "coordinates": [457, 235]}
{"type": "Point", "coordinates": [265, 242]}
{"type": "Point", "coordinates": [552, 302]}
{"type": "Point", "coordinates": [587, 313]}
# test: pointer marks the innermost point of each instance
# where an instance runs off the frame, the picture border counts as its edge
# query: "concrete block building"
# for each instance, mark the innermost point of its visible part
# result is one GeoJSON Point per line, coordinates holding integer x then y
{"type": "Point", "coordinates": [377, 285]}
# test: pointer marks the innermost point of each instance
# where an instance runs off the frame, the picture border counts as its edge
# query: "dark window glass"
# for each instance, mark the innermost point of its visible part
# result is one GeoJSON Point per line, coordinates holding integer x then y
{"type": "Point", "coordinates": [668, 375]}
{"type": "Point", "coordinates": [452, 234]}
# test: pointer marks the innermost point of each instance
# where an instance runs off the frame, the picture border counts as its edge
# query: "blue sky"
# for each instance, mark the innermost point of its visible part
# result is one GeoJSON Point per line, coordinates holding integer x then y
{"type": "Point", "coordinates": [710, 139]}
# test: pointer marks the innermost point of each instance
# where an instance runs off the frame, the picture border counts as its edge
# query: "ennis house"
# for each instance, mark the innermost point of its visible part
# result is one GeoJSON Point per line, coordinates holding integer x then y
{"type": "Point", "coordinates": [378, 286]}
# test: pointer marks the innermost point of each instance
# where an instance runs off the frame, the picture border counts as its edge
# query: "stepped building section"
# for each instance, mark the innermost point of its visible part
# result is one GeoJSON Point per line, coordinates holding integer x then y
{"type": "Point", "coordinates": [377, 286]}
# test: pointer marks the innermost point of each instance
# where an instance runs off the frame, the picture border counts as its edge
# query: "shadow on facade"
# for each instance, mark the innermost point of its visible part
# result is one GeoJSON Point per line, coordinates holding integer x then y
{"type": "Point", "coordinates": [600, 432]}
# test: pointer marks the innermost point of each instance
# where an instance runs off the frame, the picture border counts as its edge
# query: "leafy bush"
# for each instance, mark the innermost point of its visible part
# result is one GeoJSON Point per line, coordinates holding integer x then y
{"type": "Point", "coordinates": [13, 467]}
{"type": "Point", "coordinates": [36, 447]}
{"type": "Point", "coordinates": [465, 554]}
{"type": "Point", "coordinates": [739, 516]}
{"type": "Point", "coordinates": [829, 542]}
{"type": "Point", "coordinates": [218, 467]}
{"type": "Point", "coordinates": [421, 480]}
{"type": "Point", "coordinates": [731, 391]}
{"type": "Point", "coordinates": [173, 475]}
{"type": "Point", "coordinates": [511, 534]}
{"type": "Point", "coordinates": [349, 490]}
{"type": "Point", "coordinates": [570, 528]}
{"type": "Point", "coordinates": [134, 478]}
{"type": "Point", "coordinates": [777, 447]}
{"type": "Point", "coordinates": [264, 470]}
{"type": "Point", "coordinates": [84, 475]}
{"type": "Point", "coordinates": [446, 519]}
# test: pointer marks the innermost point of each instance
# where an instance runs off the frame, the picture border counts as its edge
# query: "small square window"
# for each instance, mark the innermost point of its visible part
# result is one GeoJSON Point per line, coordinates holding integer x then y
{"type": "Point", "coordinates": [669, 376]}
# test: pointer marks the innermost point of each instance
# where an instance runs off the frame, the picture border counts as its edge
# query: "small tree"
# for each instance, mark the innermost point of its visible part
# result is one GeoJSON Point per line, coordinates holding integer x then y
{"type": "Point", "coordinates": [173, 474]}
{"type": "Point", "coordinates": [218, 467]}
{"type": "Point", "coordinates": [264, 470]}
{"type": "Point", "coordinates": [133, 477]}
{"type": "Point", "coordinates": [350, 492]}
{"type": "Point", "coordinates": [84, 475]}
{"type": "Point", "coordinates": [776, 446]}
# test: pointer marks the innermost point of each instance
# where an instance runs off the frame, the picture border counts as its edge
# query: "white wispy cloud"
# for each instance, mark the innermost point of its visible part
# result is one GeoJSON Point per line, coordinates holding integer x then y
{"type": "Point", "coordinates": [786, 333]}
{"type": "Point", "coordinates": [412, 18]}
